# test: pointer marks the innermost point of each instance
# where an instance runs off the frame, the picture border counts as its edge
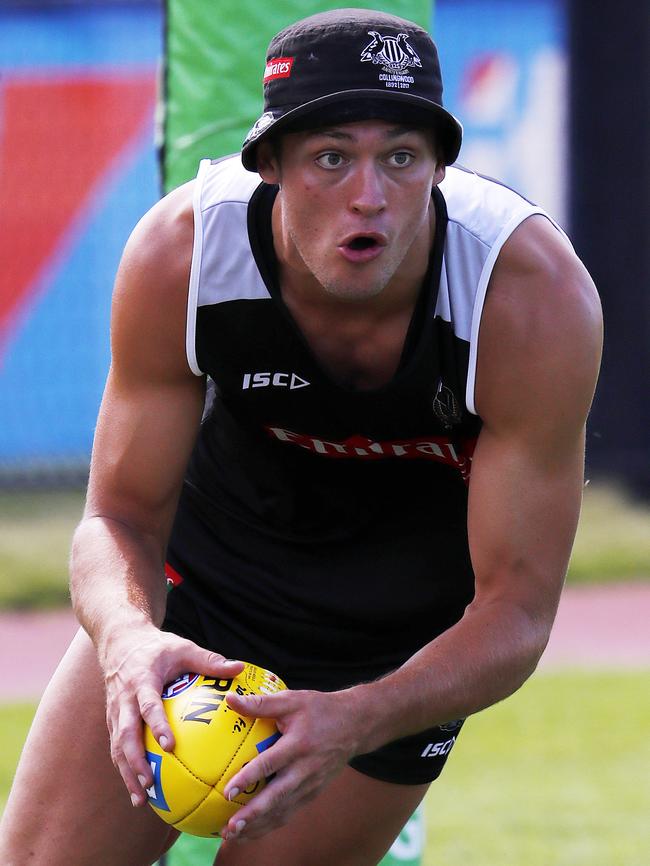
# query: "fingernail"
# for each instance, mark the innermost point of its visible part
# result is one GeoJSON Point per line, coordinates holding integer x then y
{"type": "Point", "coordinates": [142, 781]}
{"type": "Point", "coordinates": [239, 826]}
{"type": "Point", "coordinates": [232, 793]}
{"type": "Point", "coordinates": [135, 800]}
{"type": "Point", "coordinates": [163, 742]}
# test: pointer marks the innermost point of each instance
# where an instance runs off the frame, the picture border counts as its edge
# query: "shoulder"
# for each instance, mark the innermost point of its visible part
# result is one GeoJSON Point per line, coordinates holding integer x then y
{"type": "Point", "coordinates": [540, 287]}
{"type": "Point", "coordinates": [225, 181]}
{"type": "Point", "coordinates": [482, 207]}
{"type": "Point", "coordinates": [541, 330]}
{"type": "Point", "coordinates": [151, 286]}
{"type": "Point", "coordinates": [161, 242]}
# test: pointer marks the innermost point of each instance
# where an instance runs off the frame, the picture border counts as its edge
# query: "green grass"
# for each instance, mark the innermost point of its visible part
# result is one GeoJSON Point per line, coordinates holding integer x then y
{"type": "Point", "coordinates": [15, 720]}
{"type": "Point", "coordinates": [35, 534]}
{"type": "Point", "coordinates": [557, 775]}
{"type": "Point", "coordinates": [613, 543]}
{"type": "Point", "coordinates": [613, 538]}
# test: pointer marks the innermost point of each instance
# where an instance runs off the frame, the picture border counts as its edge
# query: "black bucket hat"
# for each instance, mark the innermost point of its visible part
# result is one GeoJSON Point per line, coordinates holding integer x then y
{"type": "Point", "coordinates": [348, 65]}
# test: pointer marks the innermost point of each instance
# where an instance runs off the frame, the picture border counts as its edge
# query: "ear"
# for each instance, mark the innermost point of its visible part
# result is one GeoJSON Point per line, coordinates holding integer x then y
{"type": "Point", "coordinates": [268, 164]}
{"type": "Point", "coordinates": [439, 174]}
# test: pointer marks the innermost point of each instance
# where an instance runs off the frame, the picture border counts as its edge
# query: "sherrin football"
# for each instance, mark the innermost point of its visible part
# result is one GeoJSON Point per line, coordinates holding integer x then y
{"type": "Point", "coordinates": [213, 742]}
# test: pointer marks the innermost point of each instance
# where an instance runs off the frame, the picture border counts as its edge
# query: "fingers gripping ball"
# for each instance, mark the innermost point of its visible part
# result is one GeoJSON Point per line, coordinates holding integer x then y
{"type": "Point", "coordinates": [213, 742]}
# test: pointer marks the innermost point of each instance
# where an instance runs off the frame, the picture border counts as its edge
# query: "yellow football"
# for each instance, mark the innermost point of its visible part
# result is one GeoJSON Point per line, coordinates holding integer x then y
{"type": "Point", "coordinates": [213, 742]}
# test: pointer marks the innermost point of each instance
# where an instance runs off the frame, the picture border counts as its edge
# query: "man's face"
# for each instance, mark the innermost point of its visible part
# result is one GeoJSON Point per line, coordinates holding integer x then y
{"type": "Point", "coordinates": [354, 200]}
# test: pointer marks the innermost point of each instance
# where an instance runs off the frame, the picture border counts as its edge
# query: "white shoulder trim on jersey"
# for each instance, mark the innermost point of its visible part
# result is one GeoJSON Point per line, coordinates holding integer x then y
{"type": "Point", "coordinates": [482, 215]}
{"type": "Point", "coordinates": [228, 268]}
{"type": "Point", "coordinates": [195, 270]}
{"type": "Point", "coordinates": [223, 266]}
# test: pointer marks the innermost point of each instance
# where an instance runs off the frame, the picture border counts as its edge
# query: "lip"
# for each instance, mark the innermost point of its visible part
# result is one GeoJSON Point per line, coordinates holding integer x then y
{"type": "Point", "coordinates": [362, 255]}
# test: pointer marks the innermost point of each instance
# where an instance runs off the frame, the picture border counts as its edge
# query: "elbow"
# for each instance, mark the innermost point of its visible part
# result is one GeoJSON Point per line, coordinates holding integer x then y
{"type": "Point", "coordinates": [518, 638]}
{"type": "Point", "coordinates": [531, 636]}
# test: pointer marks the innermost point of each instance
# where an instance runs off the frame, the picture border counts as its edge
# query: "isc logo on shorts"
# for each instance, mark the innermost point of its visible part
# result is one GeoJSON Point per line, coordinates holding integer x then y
{"type": "Point", "coordinates": [435, 749]}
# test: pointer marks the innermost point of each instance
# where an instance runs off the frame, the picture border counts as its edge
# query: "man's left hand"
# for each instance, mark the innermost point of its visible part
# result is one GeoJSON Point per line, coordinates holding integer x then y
{"type": "Point", "coordinates": [320, 733]}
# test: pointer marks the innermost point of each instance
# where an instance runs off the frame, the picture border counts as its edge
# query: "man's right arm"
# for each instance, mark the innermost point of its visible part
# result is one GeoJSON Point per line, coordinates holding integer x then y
{"type": "Point", "coordinates": [147, 424]}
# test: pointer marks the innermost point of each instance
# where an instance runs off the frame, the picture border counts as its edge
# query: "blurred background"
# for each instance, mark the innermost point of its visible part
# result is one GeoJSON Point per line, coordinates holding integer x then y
{"type": "Point", "coordinates": [106, 105]}
{"type": "Point", "coordinates": [554, 96]}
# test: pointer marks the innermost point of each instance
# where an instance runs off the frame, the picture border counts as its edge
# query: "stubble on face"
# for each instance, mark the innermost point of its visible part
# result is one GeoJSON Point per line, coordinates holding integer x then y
{"type": "Point", "coordinates": [369, 281]}
{"type": "Point", "coordinates": [317, 212]}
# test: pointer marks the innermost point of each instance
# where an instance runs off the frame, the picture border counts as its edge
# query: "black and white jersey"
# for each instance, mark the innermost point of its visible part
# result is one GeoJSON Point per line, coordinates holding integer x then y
{"type": "Point", "coordinates": [278, 426]}
{"type": "Point", "coordinates": [330, 516]}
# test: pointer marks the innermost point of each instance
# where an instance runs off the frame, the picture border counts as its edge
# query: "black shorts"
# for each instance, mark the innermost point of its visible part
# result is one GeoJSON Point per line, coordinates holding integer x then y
{"type": "Point", "coordinates": [413, 760]}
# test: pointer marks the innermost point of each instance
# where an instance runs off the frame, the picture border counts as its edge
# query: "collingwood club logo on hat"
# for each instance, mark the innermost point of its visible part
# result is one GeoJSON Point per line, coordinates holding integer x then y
{"type": "Point", "coordinates": [393, 53]}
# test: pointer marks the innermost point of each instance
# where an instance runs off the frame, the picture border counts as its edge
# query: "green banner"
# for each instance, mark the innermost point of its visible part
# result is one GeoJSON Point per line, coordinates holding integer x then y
{"type": "Point", "coordinates": [214, 60]}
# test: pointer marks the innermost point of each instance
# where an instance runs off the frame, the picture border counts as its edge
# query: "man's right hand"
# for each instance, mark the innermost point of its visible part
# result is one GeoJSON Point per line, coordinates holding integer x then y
{"type": "Point", "coordinates": [137, 666]}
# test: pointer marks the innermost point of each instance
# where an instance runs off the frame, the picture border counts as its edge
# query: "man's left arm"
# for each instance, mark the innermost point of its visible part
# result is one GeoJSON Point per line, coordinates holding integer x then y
{"type": "Point", "coordinates": [539, 352]}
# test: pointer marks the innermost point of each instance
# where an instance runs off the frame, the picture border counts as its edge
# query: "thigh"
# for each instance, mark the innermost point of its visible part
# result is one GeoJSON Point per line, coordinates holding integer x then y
{"type": "Point", "coordinates": [68, 806]}
{"type": "Point", "coordinates": [352, 823]}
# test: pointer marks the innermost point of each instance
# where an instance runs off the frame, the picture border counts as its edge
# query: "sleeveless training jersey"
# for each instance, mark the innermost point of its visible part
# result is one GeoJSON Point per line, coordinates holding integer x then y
{"type": "Point", "coordinates": [330, 513]}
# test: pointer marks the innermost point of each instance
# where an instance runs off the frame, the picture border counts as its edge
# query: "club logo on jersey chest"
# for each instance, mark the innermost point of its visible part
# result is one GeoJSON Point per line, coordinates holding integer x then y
{"type": "Point", "coordinates": [446, 407]}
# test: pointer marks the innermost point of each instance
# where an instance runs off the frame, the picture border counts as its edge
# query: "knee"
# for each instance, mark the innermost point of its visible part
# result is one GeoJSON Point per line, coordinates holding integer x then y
{"type": "Point", "coordinates": [172, 836]}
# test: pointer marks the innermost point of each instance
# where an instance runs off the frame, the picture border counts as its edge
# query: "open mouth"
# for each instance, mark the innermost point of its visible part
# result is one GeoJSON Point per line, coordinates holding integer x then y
{"type": "Point", "coordinates": [362, 242]}
{"type": "Point", "coordinates": [360, 248]}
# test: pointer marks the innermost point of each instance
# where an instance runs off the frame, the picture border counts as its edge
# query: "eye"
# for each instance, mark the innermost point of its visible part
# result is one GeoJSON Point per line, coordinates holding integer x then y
{"type": "Point", "coordinates": [401, 158]}
{"type": "Point", "coordinates": [331, 159]}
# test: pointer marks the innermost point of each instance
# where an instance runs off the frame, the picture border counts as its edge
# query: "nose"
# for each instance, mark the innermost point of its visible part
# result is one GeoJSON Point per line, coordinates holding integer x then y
{"type": "Point", "coordinates": [367, 193]}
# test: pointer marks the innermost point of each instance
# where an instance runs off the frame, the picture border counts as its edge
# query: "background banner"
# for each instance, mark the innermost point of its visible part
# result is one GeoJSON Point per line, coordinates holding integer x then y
{"type": "Point", "coordinates": [77, 170]}
{"type": "Point", "coordinates": [214, 62]}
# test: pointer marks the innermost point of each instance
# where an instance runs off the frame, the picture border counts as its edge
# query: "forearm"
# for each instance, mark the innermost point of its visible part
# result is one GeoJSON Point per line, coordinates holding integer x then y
{"type": "Point", "coordinates": [118, 592]}
{"type": "Point", "coordinates": [482, 659]}
{"type": "Point", "coordinates": [116, 579]}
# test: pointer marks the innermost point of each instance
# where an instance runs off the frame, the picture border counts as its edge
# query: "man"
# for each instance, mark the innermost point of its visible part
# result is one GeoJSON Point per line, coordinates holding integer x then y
{"type": "Point", "coordinates": [372, 331]}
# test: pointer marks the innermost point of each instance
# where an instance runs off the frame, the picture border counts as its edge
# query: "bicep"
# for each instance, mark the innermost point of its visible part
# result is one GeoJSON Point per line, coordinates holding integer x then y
{"type": "Point", "coordinates": [143, 441]}
{"type": "Point", "coordinates": [152, 404]}
{"type": "Point", "coordinates": [522, 517]}
{"type": "Point", "coordinates": [539, 352]}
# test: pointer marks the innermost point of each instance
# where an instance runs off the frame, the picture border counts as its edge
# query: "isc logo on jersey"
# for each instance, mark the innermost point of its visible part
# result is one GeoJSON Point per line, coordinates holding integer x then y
{"type": "Point", "coordinates": [273, 380]}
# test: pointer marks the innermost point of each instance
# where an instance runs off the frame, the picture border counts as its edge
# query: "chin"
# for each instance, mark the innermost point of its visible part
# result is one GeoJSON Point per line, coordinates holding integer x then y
{"type": "Point", "coordinates": [359, 287]}
{"type": "Point", "coordinates": [352, 291]}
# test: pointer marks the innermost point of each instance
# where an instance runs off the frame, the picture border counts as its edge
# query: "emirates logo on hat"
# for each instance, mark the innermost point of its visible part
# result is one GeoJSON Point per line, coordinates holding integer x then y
{"type": "Point", "coordinates": [278, 67]}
